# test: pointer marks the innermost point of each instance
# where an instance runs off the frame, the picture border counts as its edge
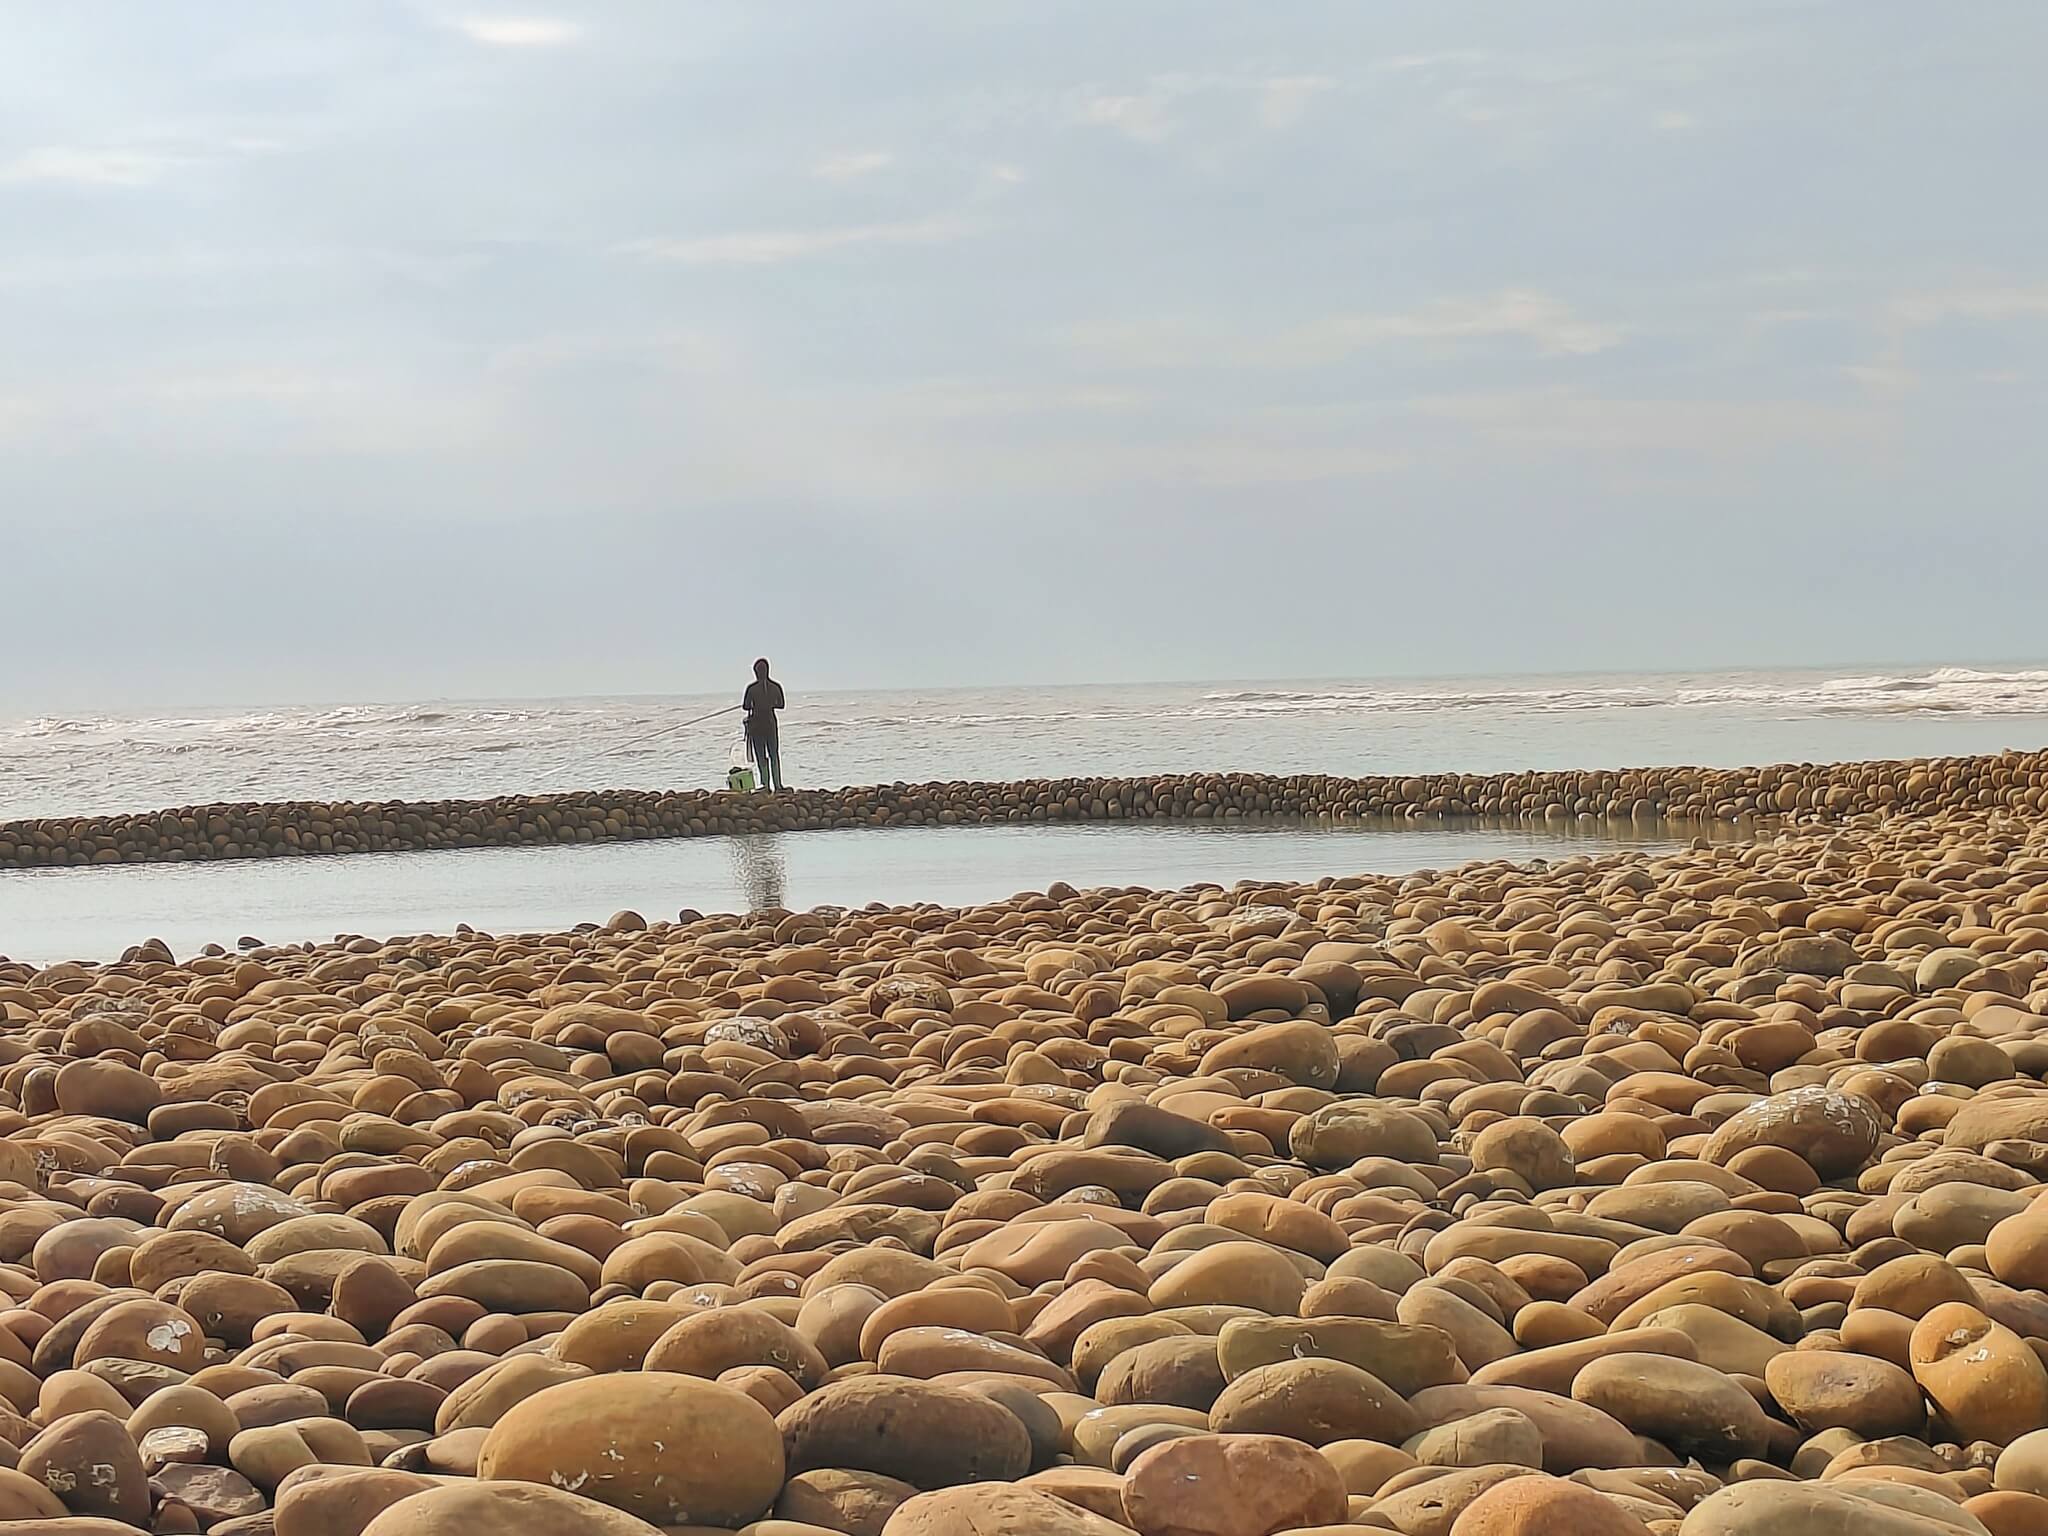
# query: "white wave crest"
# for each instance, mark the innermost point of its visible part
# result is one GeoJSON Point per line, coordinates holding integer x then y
{"type": "Point", "coordinates": [1942, 690]}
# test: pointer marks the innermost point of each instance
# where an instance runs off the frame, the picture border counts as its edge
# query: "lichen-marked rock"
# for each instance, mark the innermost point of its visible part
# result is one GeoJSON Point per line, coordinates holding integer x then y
{"type": "Point", "coordinates": [669, 1448]}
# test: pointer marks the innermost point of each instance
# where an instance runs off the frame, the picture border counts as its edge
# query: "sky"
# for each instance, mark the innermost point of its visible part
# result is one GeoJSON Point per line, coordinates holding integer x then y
{"type": "Point", "coordinates": [400, 349]}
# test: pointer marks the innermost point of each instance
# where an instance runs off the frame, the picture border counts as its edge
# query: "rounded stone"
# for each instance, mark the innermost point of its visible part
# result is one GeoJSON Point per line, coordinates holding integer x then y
{"type": "Point", "coordinates": [1526, 1148]}
{"type": "Point", "coordinates": [89, 1462]}
{"type": "Point", "coordinates": [1232, 1274]}
{"type": "Point", "coordinates": [1833, 1132]}
{"type": "Point", "coordinates": [856, 1503]}
{"type": "Point", "coordinates": [919, 1432]}
{"type": "Point", "coordinates": [1231, 1485]}
{"type": "Point", "coordinates": [1831, 1389]}
{"type": "Point", "coordinates": [995, 1508]}
{"type": "Point", "coordinates": [669, 1448]}
{"type": "Point", "coordinates": [1690, 1407]}
{"type": "Point", "coordinates": [1338, 1135]}
{"type": "Point", "coordinates": [1493, 1437]}
{"type": "Point", "coordinates": [1544, 1506]}
{"type": "Point", "coordinates": [1315, 1401]}
{"type": "Point", "coordinates": [1981, 1375]}
{"type": "Point", "coordinates": [504, 1509]}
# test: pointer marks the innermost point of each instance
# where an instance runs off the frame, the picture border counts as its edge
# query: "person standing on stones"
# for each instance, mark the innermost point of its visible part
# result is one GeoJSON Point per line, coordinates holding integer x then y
{"type": "Point", "coordinates": [763, 699]}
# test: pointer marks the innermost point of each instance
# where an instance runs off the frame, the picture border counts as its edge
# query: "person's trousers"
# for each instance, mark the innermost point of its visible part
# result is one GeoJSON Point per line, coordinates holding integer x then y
{"type": "Point", "coordinates": [767, 759]}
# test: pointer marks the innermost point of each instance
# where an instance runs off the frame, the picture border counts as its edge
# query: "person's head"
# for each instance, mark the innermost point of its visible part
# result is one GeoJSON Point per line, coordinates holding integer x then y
{"type": "Point", "coordinates": [761, 669]}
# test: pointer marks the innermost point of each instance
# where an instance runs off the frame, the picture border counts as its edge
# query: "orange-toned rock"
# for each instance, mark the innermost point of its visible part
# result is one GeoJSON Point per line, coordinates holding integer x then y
{"type": "Point", "coordinates": [924, 1434]}
{"type": "Point", "coordinates": [1316, 1401]}
{"type": "Point", "coordinates": [1232, 1274]}
{"type": "Point", "coordinates": [1982, 1377]}
{"type": "Point", "coordinates": [1545, 1506]}
{"type": "Point", "coordinates": [505, 1509]}
{"type": "Point", "coordinates": [1833, 1132]}
{"type": "Point", "coordinates": [856, 1503]}
{"type": "Point", "coordinates": [1231, 1485]}
{"type": "Point", "coordinates": [90, 1464]}
{"type": "Point", "coordinates": [992, 1508]}
{"type": "Point", "coordinates": [1830, 1389]}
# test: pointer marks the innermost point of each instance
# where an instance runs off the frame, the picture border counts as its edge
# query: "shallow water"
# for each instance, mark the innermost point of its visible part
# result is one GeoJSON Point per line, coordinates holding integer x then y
{"type": "Point", "coordinates": [88, 914]}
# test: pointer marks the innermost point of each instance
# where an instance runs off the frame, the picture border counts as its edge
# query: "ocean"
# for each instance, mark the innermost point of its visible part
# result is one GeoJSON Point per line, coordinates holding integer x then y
{"type": "Point", "coordinates": [435, 749]}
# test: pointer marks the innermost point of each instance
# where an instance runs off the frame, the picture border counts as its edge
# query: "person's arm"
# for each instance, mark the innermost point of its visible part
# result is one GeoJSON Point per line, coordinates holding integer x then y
{"type": "Point", "coordinates": [747, 700]}
{"type": "Point", "coordinates": [778, 695]}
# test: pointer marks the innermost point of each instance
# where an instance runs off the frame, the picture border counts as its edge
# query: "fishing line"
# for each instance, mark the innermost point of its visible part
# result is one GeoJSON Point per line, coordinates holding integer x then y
{"type": "Point", "coordinates": [667, 730]}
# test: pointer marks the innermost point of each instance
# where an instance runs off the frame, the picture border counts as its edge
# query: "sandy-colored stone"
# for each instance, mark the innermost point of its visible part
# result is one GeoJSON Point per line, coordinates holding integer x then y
{"type": "Point", "coordinates": [1231, 1485]}
{"type": "Point", "coordinates": [1539, 1506]}
{"type": "Point", "coordinates": [993, 1507]}
{"type": "Point", "coordinates": [927, 1435]}
{"type": "Point", "coordinates": [669, 1448]}
{"type": "Point", "coordinates": [1981, 1376]}
{"type": "Point", "coordinates": [509, 1509]}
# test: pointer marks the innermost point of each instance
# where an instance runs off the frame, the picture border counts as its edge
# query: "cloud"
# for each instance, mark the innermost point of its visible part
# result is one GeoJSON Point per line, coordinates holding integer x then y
{"type": "Point", "coordinates": [71, 165]}
{"type": "Point", "coordinates": [769, 247]}
{"type": "Point", "coordinates": [1882, 380]}
{"type": "Point", "coordinates": [1896, 365]}
{"type": "Point", "coordinates": [1997, 302]}
{"type": "Point", "coordinates": [542, 355]}
{"type": "Point", "coordinates": [852, 165]}
{"type": "Point", "coordinates": [1434, 63]}
{"type": "Point", "coordinates": [1549, 325]}
{"type": "Point", "coordinates": [19, 417]}
{"type": "Point", "coordinates": [1571, 422]}
{"type": "Point", "coordinates": [1531, 100]}
{"type": "Point", "coordinates": [1143, 118]}
{"type": "Point", "coordinates": [949, 399]}
{"type": "Point", "coordinates": [265, 383]}
{"type": "Point", "coordinates": [519, 31]}
{"type": "Point", "coordinates": [1234, 460]}
{"type": "Point", "coordinates": [1083, 438]}
{"type": "Point", "coordinates": [1153, 115]}
{"type": "Point", "coordinates": [1284, 100]}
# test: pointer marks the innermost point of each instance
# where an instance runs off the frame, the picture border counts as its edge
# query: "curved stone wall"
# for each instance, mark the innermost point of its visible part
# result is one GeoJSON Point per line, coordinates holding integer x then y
{"type": "Point", "coordinates": [2016, 781]}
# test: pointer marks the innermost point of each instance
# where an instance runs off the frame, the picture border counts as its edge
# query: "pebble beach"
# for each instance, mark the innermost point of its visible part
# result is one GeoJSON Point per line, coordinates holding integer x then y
{"type": "Point", "coordinates": [1014, 770]}
{"type": "Point", "coordinates": [1687, 1190]}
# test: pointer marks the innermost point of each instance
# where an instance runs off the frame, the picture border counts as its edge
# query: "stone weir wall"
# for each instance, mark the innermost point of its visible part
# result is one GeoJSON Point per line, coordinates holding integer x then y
{"type": "Point", "coordinates": [2016, 781]}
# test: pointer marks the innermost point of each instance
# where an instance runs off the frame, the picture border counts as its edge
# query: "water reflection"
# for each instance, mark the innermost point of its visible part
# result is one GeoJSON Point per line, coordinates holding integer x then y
{"type": "Point", "coordinates": [758, 870]}
{"type": "Point", "coordinates": [96, 912]}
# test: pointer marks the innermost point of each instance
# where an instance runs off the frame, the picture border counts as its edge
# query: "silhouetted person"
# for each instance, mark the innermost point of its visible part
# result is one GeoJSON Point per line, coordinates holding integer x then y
{"type": "Point", "coordinates": [763, 699]}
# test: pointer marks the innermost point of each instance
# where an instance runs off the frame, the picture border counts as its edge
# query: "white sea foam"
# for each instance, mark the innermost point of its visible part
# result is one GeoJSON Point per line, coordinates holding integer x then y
{"type": "Point", "coordinates": [97, 761]}
{"type": "Point", "coordinates": [1943, 690]}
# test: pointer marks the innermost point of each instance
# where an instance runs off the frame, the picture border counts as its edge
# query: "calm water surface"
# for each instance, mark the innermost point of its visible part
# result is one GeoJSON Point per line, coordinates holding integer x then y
{"type": "Point", "coordinates": [93, 913]}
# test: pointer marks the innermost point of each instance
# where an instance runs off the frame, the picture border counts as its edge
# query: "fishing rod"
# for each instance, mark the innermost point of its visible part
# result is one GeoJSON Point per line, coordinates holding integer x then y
{"type": "Point", "coordinates": [666, 730]}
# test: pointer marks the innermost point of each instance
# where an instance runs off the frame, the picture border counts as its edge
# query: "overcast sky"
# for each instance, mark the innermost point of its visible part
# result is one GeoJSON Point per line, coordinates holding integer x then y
{"type": "Point", "coordinates": [392, 348]}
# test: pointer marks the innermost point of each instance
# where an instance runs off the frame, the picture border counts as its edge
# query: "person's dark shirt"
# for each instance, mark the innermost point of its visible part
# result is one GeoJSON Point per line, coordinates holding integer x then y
{"type": "Point", "coordinates": [763, 698]}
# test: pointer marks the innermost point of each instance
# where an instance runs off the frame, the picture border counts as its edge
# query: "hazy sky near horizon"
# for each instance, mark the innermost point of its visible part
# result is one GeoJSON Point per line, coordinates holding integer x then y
{"type": "Point", "coordinates": [400, 348]}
